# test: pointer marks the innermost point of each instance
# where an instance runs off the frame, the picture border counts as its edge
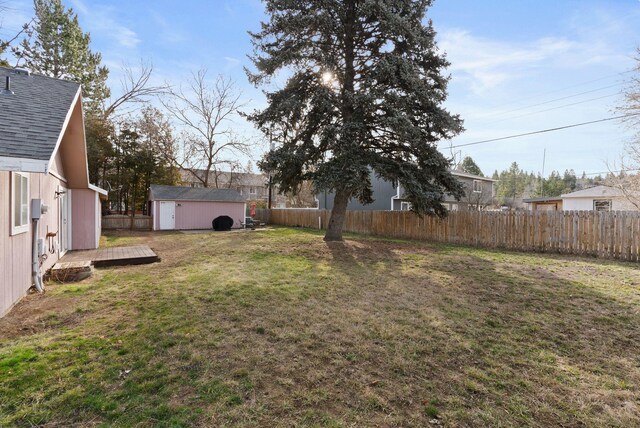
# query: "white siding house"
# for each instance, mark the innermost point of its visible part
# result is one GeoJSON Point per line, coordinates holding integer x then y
{"type": "Point", "coordinates": [599, 198]}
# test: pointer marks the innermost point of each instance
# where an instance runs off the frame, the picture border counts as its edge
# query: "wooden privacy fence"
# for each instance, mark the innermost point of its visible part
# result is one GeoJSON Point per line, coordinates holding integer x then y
{"type": "Point", "coordinates": [117, 221]}
{"type": "Point", "coordinates": [614, 235]}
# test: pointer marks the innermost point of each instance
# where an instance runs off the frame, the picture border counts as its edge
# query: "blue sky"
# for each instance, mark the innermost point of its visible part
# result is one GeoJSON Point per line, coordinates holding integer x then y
{"type": "Point", "coordinates": [515, 65]}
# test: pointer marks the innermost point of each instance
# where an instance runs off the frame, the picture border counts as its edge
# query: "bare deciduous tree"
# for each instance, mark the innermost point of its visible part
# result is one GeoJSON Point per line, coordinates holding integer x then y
{"type": "Point", "coordinates": [6, 44]}
{"type": "Point", "coordinates": [135, 88]}
{"type": "Point", "coordinates": [625, 174]}
{"type": "Point", "coordinates": [205, 111]}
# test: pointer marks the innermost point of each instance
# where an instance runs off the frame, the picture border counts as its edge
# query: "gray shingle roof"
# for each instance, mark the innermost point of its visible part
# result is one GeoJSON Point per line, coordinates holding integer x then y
{"type": "Point", "coordinates": [159, 192]}
{"type": "Point", "coordinates": [31, 119]}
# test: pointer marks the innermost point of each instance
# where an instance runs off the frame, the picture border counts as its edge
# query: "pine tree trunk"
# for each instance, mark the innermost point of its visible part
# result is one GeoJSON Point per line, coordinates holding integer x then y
{"type": "Point", "coordinates": [338, 214]}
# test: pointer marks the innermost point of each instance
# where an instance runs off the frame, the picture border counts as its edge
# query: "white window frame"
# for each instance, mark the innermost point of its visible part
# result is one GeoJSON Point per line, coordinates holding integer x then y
{"type": "Point", "coordinates": [608, 201]}
{"type": "Point", "coordinates": [253, 191]}
{"type": "Point", "coordinates": [22, 228]}
{"type": "Point", "coordinates": [477, 186]}
{"type": "Point", "coordinates": [405, 206]}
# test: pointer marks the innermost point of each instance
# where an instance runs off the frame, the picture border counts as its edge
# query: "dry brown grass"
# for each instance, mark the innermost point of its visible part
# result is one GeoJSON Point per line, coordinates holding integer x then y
{"type": "Point", "coordinates": [277, 328]}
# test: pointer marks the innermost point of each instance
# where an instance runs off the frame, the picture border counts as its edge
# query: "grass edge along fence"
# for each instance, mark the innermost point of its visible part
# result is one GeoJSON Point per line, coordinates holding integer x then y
{"type": "Point", "coordinates": [611, 235]}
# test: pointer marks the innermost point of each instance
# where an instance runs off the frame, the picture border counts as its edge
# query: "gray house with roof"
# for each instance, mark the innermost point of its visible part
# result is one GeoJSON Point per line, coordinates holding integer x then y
{"type": "Point", "coordinates": [189, 208]}
{"type": "Point", "coordinates": [49, 205]}
{"type": "Point", "coordinates": [388, 196]}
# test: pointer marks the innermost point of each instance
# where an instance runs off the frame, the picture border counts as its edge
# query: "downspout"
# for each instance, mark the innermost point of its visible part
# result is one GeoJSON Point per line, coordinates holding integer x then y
{"type": "Point", "coordinates": [397, 196]}
{"type": "Point", "coordinates": [35, 259]}
{"type": "Point", "coordinates": [37, 209]}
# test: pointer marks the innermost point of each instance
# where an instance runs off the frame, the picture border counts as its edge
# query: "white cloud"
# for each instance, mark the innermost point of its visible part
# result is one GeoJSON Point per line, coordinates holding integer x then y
{"type": "Point", "coordinates": [100, 19]}
{"type": "Point", "coordinates": [486, 64]}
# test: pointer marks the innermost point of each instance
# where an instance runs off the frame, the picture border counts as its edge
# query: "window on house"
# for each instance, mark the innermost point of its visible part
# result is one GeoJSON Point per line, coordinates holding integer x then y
{"type": "Point", "coordinates": [405, 206]}
{"type": "Point", "coordinates": [252, 190]}
{"type": "Point", "coordinates": [19, 203]}
{"type": "Point", "coordinates": [602, 205]}
{"type": "Point", "coordinates": [477, 186]}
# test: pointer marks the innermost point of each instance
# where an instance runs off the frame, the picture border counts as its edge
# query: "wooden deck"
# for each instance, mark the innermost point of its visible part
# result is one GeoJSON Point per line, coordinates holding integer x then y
{"type": "Point", "coordinates": [113, 256]}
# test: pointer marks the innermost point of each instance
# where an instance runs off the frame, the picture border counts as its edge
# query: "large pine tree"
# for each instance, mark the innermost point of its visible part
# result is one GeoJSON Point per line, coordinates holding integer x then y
{"type": "Point", "coordinates": [364, 91]}
{"type": "Point", "coordinates": [56, 46]}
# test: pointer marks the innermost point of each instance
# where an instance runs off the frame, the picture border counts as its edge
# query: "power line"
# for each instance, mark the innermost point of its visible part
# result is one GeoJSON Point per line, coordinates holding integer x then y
{"type": "Point", "coordinates": [575, 125]}
{"type": "Point", "coordinates": [553, 108]}
{"type": "Point", "coordinates": [555, 91]}
{"type": "Point", "coordinates": [550, 101]}
{"type": "Point", "coordinates": [611, 172]}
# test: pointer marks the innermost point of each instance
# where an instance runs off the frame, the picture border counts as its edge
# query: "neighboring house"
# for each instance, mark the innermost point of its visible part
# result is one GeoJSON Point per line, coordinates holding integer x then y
{"type": "Point", "coordinates": [599, 198]}
{"type": "Point", "coordinates": [254, 187]}
{"type": "Point", "coordinates": [479, 194]}
{"type": "Point", "coordinates": [186, 208]}
{"type": "Point", "coordinates": [550, 203]}
{"type": "Point", "coordinates": [48, 205]}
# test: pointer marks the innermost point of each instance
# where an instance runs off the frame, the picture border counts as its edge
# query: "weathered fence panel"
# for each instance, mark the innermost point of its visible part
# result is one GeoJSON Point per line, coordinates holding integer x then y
{"type": "Point", "coordinates": [117, 221]}
{"type": "Point", "coordinates": [611, 235]}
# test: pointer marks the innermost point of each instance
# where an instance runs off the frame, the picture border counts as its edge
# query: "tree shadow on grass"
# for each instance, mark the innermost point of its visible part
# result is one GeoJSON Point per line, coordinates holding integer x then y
{"type": "Point", "coordinates": [534, 344]}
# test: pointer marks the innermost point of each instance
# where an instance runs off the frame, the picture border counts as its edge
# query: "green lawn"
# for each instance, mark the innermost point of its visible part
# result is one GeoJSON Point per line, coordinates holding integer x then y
{"type": "Point", "coordinates": [277, 328]}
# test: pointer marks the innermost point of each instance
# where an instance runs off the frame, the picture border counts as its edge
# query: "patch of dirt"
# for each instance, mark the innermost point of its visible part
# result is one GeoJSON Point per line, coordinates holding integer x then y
{"type": "Point", "coordinates": [33, 314]}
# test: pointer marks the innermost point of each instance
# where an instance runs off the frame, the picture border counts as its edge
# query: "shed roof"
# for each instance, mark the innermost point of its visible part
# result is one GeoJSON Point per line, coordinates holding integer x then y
{"type": "Point", "coordinates": [33, 117]}
{"type": "Point", "coordinates": [159, 192]}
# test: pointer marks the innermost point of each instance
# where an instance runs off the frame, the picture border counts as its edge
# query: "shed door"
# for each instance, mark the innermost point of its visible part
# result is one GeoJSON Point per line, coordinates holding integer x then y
{"type": "Point", "coordinates": [167, 215]}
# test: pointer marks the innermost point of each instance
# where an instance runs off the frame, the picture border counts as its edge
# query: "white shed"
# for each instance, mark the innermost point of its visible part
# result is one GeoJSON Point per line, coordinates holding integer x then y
{"type": "Point", "coordinates": [189, 208]}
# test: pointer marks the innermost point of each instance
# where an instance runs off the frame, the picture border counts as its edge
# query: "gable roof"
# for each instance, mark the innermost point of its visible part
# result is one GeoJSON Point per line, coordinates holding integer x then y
{"type": "Point", "coordinates": [33, 118]}
{"type": "Point", "coordinates": [159, 192]}
{"type": "Point", "coordinates": [595, 192]}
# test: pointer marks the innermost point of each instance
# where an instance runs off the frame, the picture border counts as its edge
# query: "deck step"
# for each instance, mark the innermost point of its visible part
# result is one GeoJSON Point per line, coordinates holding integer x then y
{"type": "Point", "coordinates": [70, 271]}
{"type": "Point", "coordinates": [114, 256]}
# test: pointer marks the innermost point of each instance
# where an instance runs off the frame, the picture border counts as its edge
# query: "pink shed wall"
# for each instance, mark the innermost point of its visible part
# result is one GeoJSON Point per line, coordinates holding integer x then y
{"type": "Point", "coordinates": [83, 219]}
{"type": "Point", "coordinates": [200, 214]}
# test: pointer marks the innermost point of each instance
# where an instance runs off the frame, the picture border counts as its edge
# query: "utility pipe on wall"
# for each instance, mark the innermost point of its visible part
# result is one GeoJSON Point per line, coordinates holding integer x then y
{"type": "Point", "coordinates": [37, 209]}
{"type": "Point", "coordinates": [35, 259]}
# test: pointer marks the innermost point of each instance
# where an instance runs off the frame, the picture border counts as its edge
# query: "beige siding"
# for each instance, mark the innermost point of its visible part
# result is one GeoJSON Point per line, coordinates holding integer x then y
{"type": "Point", "coordinates": [15, 251]}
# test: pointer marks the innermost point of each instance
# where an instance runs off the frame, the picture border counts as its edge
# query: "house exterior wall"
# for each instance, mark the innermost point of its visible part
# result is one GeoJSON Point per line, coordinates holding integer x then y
{"type": "Point", "coordinates": [473, 199]}
{"type": "Point", "coordinates": [546, 206]}
{"type": "Point", "coordinates": [44, 187]}
{"type": "Point", "coordinates": [84, 219]}
{"type": "Point", "coordinates": [385, 193]}
{"type": "Point", "coordinates": [15, 251]}
{"type": "Point", "coordinates": [586, 204]}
